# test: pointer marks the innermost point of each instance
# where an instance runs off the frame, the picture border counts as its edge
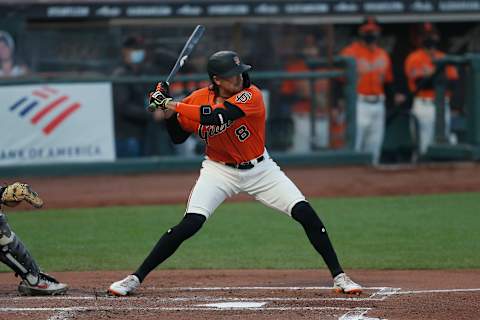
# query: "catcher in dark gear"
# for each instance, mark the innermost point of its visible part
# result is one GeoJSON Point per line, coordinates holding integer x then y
{"type": "Point", "coordinates": [14, 253]}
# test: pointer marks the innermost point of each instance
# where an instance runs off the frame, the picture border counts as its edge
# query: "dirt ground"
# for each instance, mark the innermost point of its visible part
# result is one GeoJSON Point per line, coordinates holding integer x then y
{"type": "Point", "coordinates": [161, 188]}
{"type": "Point", "coordinates": [255, 294]}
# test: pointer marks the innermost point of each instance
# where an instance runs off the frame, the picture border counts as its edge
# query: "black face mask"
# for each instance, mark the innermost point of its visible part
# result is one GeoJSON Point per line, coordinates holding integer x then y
{"type": "Point", "coordinates": [430, 43]}
{"type": "Point", "coordinates": [370, 38]}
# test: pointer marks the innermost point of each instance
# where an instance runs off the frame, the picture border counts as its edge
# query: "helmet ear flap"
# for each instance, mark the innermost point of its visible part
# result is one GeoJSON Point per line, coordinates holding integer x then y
{"type": "Point", "coordinates": [246, 80]}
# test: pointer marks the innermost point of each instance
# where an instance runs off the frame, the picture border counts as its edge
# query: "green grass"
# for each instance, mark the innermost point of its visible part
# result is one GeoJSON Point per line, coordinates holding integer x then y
{"type": "Point", "coordinates": [433, 232]}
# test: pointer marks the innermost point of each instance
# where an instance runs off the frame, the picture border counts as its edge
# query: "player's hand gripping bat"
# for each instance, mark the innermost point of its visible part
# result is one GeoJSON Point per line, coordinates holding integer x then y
{"type": "Point", "coordinates": [187, 49]}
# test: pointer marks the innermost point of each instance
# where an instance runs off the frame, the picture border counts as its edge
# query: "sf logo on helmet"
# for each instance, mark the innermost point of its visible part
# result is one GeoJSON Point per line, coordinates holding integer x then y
{"type": "Point", "coordinates": [236, 60]}
{"type": "Point", "coordinates": [243, 96]}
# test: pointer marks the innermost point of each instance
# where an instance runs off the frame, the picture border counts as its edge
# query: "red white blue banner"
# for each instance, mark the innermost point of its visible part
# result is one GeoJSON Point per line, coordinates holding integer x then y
{"type": "Point", "coordinates": [58, 123]}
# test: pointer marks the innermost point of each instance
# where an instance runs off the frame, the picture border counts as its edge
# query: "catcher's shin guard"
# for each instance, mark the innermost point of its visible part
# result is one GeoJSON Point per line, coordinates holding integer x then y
{"type": "Point", "coordinates": [15, 255]}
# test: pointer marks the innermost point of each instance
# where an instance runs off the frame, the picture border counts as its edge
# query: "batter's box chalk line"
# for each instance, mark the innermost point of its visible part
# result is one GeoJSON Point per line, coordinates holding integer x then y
{"type": "Point", "coordinates": [358, 314]}
{"type": "Point", "coordinates": [218, 303]}
{"type": "Point", "coordinates": [378, 294]}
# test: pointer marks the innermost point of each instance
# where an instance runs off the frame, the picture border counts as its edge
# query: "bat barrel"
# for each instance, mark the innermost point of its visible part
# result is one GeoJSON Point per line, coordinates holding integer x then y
{"type": "Point", "coordinates": [187, 49]}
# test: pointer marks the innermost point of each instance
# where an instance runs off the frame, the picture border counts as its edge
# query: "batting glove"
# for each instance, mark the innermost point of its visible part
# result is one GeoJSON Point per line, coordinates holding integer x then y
{"type": "Point", "coordinates": [158, 100]}
{"type": "Point", "coordinates": [164, 88]}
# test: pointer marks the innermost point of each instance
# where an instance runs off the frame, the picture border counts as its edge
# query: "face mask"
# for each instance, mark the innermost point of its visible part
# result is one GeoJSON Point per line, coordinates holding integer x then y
{"type": "Point", "coordinates": [137, 56]}
{"type": "Point", "coordinates": [430, 43]}
{"type": "Point", "coordinates": [370, 38]}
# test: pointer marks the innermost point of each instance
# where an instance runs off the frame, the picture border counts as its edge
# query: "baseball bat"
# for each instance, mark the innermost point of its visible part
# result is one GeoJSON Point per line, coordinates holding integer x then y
{"type": "Point", "coordinates": [187, 49]}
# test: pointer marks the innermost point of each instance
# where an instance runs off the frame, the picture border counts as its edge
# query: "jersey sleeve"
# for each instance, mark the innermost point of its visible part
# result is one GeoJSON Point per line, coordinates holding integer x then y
{"type": "Point", "coordinates": [249, 100]}
{"type": "Point", "coordinates": [347, 51]}
{"type": "Point", "coordinates": [410, 69]}
{"type": "Point", "coordinates": [188, 124]}
{"type": "Point", "coordinates": [452, 73]}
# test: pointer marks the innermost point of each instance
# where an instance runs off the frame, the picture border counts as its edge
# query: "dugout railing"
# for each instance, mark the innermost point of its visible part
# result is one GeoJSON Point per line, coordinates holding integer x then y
{"type": "Point", "coordinates": [467, 145]}
{"type": "Point", "coordinates": [467, 148]}
{"type": "Point", "coordinates": [344, 68]}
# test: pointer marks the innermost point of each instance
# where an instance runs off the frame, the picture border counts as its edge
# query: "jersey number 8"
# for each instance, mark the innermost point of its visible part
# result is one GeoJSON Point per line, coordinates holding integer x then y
{"type": "Point", "coordinates": [242, 133]}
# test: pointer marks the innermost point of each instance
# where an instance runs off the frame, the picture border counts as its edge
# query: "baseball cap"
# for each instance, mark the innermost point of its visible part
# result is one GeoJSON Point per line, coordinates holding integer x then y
{"type": "Point", "coordinates": [429, 29]}
{"type": "Point", "coordinates": [133, 42]}
{"type": "Point", "coordinates": [370, 25]}
{"type": "Point", "coordinates": [226, 64]}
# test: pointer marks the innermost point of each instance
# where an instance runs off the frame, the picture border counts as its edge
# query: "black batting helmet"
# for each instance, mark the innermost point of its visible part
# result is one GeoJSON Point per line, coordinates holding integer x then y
{"type": "Point", "coordinates": [225, 64]}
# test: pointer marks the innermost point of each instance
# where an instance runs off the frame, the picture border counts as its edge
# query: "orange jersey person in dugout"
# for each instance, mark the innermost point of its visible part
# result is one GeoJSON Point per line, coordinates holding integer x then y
{"type": "Point", "coordinates": [374, 69]}
{"type": "Point", "coordinates": [230, 116]}
{"type": "Point", "coordinates": [374, 66]}
{"type": "Point", "coordinates": [299, 95]}
{"type": "Point", "coordinates": [419, 69]}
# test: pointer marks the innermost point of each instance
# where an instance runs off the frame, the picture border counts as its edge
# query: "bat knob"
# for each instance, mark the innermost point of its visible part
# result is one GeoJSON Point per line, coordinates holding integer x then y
{"type": "Point", "coordinates": [152, 107]}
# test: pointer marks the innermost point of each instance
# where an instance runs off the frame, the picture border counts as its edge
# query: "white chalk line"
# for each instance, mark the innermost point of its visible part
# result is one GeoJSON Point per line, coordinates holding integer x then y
{"type": "Point", "coordinates": [437, 291]}
{"type": "Point", "coordinates": [196, 298]}
{"type": "Point", "coordinates": [383, 292]}
{"type": "Point", "coordinates": [116, 308]}
{"type": "Point", "coordinates": [246, 288]}
{"type": "Point", "coordinates": [207, 298]}
{"type": "Point", "coordinates": [357, 315]}
{"type": "Point", "coordinates": [64, 313]}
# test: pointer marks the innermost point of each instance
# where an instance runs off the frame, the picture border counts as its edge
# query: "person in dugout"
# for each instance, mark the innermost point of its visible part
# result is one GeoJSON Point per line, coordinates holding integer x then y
{"type": "Point", "coordinates": [375, 81]}
{"type": "Point", "coordinates": [420, 72]}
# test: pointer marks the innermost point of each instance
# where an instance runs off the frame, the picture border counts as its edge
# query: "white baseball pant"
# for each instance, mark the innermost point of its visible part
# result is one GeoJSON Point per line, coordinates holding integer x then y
{"type": "Point", "coordinates": [424, 111]}
{"type": "Point", "coordinates": [302, 137]}
{"type": "Point", "coordinates": [370, 126]}
{"type": "Point", "coordinates": [265, 181]}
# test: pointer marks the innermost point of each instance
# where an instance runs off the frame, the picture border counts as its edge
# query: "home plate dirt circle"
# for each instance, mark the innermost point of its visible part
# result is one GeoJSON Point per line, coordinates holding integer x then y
{"type": "Point", "coordinates": [254, 294]}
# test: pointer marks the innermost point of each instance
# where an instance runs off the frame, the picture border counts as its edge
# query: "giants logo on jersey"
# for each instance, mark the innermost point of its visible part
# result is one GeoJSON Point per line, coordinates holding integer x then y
{"type": "Point", "coordinates": [205, 132]}
{"type": "Point", "coordinates": [243, 97]}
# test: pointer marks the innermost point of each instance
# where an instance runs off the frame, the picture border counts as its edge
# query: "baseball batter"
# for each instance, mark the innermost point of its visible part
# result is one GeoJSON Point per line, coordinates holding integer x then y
{"type": "Point", "coordinates": [229, 115]}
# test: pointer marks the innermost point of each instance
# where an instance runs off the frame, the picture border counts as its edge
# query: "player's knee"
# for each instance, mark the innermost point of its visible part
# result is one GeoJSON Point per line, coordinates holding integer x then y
{"type": "Point", "coordinates": [306, 215]}
{"type": "Point", "coordinates": [190, 224]}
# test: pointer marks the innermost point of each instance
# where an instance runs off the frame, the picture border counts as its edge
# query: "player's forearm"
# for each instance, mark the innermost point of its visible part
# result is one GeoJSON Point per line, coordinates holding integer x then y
{"type": "Point", "coordinates": [189, 111]}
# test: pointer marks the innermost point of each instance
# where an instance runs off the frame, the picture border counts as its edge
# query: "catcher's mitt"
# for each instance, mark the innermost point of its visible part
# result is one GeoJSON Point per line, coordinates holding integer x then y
{"type": "Point", "coordinates": [15, 193]}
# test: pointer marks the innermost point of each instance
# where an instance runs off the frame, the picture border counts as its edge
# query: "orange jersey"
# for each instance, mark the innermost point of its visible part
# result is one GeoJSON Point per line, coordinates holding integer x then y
{"type": "Point", "coordinates": [236, 141]}
{"type": "Point", "coordinates": [373, 66]}
{"type": "Point", "coordinates": [420, 64]}
{"type": "Point", "coordinates": [302, 88]}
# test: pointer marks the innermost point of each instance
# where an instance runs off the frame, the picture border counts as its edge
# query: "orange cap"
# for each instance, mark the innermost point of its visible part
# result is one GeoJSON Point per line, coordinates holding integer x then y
{"type": "Point", "coordinates": [429, 28]}
{"type": "Point", "coordinates": [370, 25]}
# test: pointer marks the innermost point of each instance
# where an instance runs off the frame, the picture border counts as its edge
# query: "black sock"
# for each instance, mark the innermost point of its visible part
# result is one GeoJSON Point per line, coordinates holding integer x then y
{"type": "Point", "coordinates": [169, 243]}
{"type": "Point", "coordinates": [317, 234]}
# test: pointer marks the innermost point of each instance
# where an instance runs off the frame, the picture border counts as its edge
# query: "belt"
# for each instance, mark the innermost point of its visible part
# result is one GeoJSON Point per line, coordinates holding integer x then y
{"type": "Point", "coordinates": [425, 99]}
{"type": "Point", "coordinates": [371, 99]}
{"type": "Point", "coordinates": [246, 165]}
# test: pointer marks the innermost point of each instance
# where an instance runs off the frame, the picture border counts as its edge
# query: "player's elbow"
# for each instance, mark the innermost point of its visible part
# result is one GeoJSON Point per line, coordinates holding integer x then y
{"type": "Point", "coordinates": [179, 139]}
{"type": "Point", "coordinates": [220, 116]}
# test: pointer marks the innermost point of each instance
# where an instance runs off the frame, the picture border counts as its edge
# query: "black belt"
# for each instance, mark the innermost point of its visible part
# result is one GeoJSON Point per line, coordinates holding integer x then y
{"type": "Point", "coordinates": [246, 165]}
